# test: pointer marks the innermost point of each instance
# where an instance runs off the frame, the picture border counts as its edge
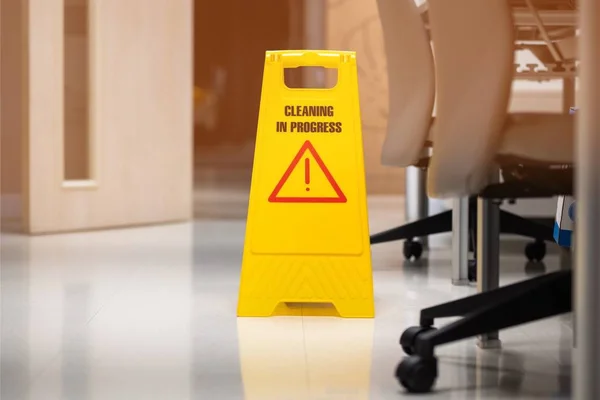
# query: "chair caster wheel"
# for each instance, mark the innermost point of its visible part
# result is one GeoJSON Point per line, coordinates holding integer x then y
{"type": "Point", "coordinates": [535, 251]}
{"type": "Point", "coordinates": [407, 340]}
{"type": "Point", "coordinates": [412, 249]}
{"type": "Point", "coordinates": [472, 271]}
{"type": "Point", "coordinates": [417, 374]}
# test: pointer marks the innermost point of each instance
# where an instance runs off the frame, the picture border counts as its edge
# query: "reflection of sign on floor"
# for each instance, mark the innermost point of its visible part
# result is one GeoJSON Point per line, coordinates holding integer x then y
{"type": "Point", "coordinates": [307, 358]}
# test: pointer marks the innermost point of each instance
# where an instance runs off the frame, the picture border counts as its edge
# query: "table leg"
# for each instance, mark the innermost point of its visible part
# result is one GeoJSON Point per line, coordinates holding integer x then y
{"type": "Point", "coordinates": [587, 247]}
{"type": "Point", "coordinates": [488, 257]}
{"type": "Point", "coordinates": [460, 241]}
{"type": "Point", "coordinates": [417, 203]}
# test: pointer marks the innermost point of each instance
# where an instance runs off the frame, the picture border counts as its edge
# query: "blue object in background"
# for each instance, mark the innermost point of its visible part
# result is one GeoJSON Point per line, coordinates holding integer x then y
{"type": "Point", "coordinates": [572, 212]}
{"type": "Point", "coordinates": [565, 221]}
{"type": "Point", "coordinates": [562, 236]}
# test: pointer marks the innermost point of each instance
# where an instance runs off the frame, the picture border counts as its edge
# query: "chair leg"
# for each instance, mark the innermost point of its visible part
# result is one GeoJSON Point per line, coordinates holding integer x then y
{"type": "Point", "coordinates": [473, 227]}
{"type": "Point", "coordinates": [506, 308]}
{"type": "Point", "coordinates": [483, 313]}
{"type": "Point", "coordinates": [442, 222]}
{"type": "Point", "coordinates": [438, 223]}
{"type": "Point", "coordinates": [514, 224]}
{"type": "Point", "coordinates": [470, 304]}
{"type": "Point", "coordinates": [491, 311]}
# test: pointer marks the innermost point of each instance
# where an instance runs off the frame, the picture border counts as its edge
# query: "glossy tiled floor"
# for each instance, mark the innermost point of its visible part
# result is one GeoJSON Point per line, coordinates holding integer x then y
{"type": "Point", "coordinates": [149, 314]}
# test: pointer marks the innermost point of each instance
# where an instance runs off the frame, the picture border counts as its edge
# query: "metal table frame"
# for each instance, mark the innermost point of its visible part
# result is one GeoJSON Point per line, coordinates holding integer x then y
{"type": "Point", "coordinates": [587, 244]}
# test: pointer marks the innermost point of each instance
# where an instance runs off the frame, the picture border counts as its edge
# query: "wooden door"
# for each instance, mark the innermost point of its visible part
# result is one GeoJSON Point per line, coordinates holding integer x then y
{"type": "Point", "coordinates": [108, 113]}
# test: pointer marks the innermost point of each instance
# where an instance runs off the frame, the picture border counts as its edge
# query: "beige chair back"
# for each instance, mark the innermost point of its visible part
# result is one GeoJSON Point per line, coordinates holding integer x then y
{"type": "Point", "coordinates": [473, 44]}
{"type": "Point", "coordinates": [411, 81]}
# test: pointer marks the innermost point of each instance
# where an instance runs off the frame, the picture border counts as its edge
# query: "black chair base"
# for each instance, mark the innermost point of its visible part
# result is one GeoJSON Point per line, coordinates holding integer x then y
{"type": "Point", "coordinates": [501, 308]}
{"type": "Point", "coordinates": [510, 223]}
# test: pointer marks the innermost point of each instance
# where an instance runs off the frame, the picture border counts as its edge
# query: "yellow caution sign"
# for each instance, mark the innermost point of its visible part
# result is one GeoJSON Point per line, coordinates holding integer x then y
{"type": "Point", "coordinates": [307, 237]}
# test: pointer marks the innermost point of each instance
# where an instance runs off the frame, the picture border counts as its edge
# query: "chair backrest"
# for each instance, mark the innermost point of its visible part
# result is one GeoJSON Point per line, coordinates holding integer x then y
{"type": "Point", "coordinates": [411, 82]}
{"type": "Point", "coordinates": [473, 45]}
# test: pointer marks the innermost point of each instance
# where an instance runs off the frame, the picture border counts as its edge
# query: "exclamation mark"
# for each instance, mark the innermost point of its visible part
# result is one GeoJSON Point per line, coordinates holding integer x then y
{"type": "Point", "coordinates": [307, 173]}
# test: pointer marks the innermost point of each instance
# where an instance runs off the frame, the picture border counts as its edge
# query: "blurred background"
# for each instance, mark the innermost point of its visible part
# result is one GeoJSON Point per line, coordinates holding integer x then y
{"type": "Point", "coordinates": [226, 113]}
{"type": "Point", "coordinates": [221, 48]}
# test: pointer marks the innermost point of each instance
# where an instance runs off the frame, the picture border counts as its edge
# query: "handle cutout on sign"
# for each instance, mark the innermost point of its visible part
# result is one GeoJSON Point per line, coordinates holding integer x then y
{"type": "Point", "coordinates": [310, 77]}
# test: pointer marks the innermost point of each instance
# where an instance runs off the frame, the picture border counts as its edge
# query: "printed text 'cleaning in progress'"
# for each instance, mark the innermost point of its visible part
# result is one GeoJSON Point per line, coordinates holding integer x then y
{"type": "Point", "coordinates": [309, 126]}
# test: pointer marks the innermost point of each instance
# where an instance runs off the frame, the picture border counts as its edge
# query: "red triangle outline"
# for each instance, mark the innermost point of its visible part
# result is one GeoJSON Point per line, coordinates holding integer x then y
{"type": "Point", "coordinates": [307, 146]}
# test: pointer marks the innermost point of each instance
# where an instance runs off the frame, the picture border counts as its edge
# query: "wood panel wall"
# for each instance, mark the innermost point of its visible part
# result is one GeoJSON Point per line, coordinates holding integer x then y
{"type": "Point", "coordinates": [140, 113]}
{"type": "Point", "coordinates": [11, 107]}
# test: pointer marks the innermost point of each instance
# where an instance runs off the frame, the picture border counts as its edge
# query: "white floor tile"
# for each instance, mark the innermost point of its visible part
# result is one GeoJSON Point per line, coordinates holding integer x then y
{"type": "Point", "coordinates": [150, 313]}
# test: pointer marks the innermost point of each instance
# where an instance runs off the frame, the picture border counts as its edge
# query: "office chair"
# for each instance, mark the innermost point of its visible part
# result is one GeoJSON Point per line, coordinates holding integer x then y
{"type": "Point", "coordinates": [411, 80]}
{"type": "Point", "coordinates": [411, 102]}
{"type": "Point", "coordinates": [473, 137]}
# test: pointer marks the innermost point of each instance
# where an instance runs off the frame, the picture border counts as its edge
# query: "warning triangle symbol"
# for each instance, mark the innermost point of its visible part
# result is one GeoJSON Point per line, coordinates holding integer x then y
{"type": "Point", "coordinates": [306, 150]}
